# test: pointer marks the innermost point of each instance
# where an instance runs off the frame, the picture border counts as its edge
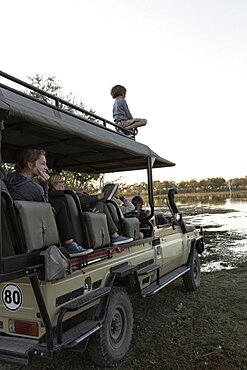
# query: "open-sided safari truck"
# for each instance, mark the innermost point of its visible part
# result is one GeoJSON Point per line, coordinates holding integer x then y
{"type": "Point", "coordinates": [51, 303]}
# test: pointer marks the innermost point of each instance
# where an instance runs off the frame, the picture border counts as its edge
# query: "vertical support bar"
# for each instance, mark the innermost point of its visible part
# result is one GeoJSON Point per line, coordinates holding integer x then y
{"type": "Point", "coordinates": [43, 311]}
{"type": "Point", "coordinates": [150, 185]}
{"type": "Point", "coordinates": [158, 277]}
{"type": "Point", "coordinates": [57, 102]}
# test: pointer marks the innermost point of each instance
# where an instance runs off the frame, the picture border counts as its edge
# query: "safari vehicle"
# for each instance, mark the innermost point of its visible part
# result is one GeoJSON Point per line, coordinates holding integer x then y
{"type": "Point", "coordinates": [49, 302]}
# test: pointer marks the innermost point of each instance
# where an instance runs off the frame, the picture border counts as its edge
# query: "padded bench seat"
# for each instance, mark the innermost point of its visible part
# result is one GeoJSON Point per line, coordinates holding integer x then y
{"type": "Point", "coordinates": [38, 224]}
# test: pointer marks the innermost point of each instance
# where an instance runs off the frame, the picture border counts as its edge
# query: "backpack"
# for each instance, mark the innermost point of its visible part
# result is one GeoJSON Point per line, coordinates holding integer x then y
{"type": "Point", "coordinates": [56, 264]}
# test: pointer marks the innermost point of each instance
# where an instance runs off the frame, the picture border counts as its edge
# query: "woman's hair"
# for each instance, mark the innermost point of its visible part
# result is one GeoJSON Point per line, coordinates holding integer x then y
{"type": "Point", "coordinates": [118, 90]}
{"type": "Point", "coordinates": [55, 177]}
{"type": "Point", "coordinates": [28, 155]}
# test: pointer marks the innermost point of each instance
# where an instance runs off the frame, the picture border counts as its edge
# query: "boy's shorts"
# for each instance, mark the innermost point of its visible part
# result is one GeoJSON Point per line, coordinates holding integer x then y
{"type": "Point", "coordinates": [128, 122]}
{"type": "Point", "coordinates": [124, 124]}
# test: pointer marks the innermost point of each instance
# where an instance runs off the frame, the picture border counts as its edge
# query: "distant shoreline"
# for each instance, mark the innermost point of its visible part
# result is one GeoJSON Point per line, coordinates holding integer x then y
{"type": "Point", "coordinates": [200, 195]}
{"type": "Point", "coordinates": [226, 194]}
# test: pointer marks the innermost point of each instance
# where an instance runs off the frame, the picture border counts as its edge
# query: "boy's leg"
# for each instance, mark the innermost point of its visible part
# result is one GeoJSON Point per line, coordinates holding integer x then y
{"type": "Point", "coordinates": [133, 123]}
{"type": "Point", "coordinates": [137, 122]}
{"type": "Point", "coordinates": [122, 125]}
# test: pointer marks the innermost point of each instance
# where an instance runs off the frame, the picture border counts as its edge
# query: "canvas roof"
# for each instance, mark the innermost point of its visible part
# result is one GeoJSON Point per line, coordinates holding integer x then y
{"type": "Point", "coordinates": [71, 143]}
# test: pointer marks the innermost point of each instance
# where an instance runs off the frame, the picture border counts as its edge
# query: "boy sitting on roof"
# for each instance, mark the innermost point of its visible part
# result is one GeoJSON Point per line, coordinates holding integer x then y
{"type": "Point", "coordinates": [121, 114]}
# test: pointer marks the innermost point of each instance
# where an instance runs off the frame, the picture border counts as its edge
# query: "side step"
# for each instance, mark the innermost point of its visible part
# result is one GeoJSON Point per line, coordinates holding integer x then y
{"type": "Point", "coordinates": [147, 269]}
{"type": "Point", "coordinates": [164, 281]}
{"type": "Point", "coordinates": [16, 351]}
{"type": "Point", "coordinates": [123, 270]}
{"type": "Point", "coordinates": [83, 301]}
{"type": "Point", "coordinates": [80, 332]}
{"type": "Point", "coordinates": [71, 338]}
{"type": "Point", "coordinates": [75, 306]}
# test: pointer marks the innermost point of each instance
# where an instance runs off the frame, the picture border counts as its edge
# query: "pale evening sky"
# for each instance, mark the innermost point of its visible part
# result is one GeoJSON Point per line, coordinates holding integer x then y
{"type": "Point", "coordinates": [183, 62]}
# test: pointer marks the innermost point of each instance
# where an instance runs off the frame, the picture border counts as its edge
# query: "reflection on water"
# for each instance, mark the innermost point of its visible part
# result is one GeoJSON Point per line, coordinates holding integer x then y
{"type": "Point", "coordinates": [225, 224]}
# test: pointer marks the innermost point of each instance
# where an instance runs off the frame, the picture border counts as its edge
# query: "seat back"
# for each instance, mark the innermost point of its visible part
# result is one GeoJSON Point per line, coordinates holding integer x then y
{"type": "Point", "coordinates": [74, 214]}
{"type": "Point", "coordinates": [127, 226]}
{"type": "Point", "coordinates": [38, 225]}
{"type": "Point", "coordinates": [6, 241]}
{"type": "Point", "coordinates": [7, 235]}
{"type": "Point", "coordinates": [96, 229]}
{"type": "Point", "coordinates": [25, 226]}
{"type": "Point", "coordinates": [89, 229]}
{"type": "Point", "coordinates": [162, 219]}
{"type": "Point", "coordinates": [11, 236]}
{"type": "Point", "coordinates": [92, 227]}
{"type": "Point", "coordinates": [131, 227]}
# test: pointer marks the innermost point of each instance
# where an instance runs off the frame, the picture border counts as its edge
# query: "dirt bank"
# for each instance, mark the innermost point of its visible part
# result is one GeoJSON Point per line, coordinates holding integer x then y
{"type": "Point", "coordinates": [175, 329]}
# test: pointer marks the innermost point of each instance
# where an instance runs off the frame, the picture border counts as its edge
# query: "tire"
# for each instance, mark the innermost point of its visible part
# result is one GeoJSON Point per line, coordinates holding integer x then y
{"type": "Point", "coordinates": [192, 279]}
{"type": "Point", "coordinates": [111, 343]}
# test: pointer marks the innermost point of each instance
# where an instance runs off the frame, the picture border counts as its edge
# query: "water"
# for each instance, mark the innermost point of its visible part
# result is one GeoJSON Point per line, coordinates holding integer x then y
{"type": "Point", "coordinates": [225, 225]}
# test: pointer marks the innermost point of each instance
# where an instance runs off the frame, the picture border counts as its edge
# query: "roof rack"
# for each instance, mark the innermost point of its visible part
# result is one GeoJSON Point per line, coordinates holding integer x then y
{"type": "Point", "coordinates": [73, 142]}
{"type": "Point", "coordinates": [60, 103]}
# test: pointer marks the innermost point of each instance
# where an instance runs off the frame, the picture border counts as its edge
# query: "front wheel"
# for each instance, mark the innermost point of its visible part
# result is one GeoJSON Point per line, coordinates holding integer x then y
{"type": "Point", "coordinates": [192, 279]}
{"type": "Point", "coordinates": [110, 344]}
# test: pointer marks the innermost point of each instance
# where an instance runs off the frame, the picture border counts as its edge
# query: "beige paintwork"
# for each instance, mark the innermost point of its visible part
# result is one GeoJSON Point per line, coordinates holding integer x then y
{"type": "Point", "coordinates": [170, 253]}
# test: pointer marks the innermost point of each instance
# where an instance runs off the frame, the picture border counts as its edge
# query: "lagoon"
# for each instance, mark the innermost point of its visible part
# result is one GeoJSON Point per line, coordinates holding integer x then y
{"type": "Point", "coordinates": [224, 220]}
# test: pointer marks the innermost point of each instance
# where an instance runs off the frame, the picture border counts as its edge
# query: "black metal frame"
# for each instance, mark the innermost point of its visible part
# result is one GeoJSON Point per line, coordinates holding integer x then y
{"type": "Point", "coordinates": [58, 102]}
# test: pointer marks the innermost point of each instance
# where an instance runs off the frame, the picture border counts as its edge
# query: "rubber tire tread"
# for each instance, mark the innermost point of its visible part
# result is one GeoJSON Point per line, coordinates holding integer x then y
{"type": "Point", "coordinates": [99, 348]}
{"type": "Point", "coordinates": [191, 282]}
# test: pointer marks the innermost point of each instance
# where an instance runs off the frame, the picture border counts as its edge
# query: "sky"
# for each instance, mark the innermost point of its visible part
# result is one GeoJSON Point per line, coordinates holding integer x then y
{"type": "Point", "coordinates": [183, 63]}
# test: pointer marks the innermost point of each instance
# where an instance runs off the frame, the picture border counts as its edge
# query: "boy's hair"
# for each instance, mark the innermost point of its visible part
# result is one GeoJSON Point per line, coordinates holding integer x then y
{"type": "Point", "coordinates": [137, 201]}
{"type": "Point", "coordinates": [28, 155]}
{"type": "Point", "coordinates": [118, 90]}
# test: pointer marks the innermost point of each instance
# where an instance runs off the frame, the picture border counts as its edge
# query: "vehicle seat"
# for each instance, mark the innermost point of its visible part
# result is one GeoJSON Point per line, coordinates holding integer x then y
{"type": "Point", "coordinates": [162, 219]}
{"type": "Point", "coordinates": [129, 226]}
{"type": "Point", "coordinates": [38, 224]}
{"type": "Point", "coordinates": [26, 226]}
{"type": "Point", "coordinates": [7, 235]}
{"type": "Point", "coordinates": [89, 229]}
{"type": "Point", "coordinates": [12, 241]}
{"type": "Point", "coordinates": [93, 226]}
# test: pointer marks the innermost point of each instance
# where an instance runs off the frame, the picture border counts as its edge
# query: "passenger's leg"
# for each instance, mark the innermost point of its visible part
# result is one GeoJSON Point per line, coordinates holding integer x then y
{"type": "Point", "coordinates": [64, 229]}
{"type": "Point", "coordinates": [102, 207]}
{"type": "Point", "coordinates": [62, 219]}
{"type": "Point", "coordinates": [113, 230]}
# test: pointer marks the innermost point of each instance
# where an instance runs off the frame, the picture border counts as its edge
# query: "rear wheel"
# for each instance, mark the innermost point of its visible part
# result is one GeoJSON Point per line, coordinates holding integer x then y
{"type": "Point", "coordinates": [192, 279]}
{"type": "Point", "coordinates": [110, 344]}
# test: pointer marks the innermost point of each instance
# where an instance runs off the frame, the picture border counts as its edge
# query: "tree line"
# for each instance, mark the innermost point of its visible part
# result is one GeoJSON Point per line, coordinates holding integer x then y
{"type": "Point", "coordinates": [215, 184]}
